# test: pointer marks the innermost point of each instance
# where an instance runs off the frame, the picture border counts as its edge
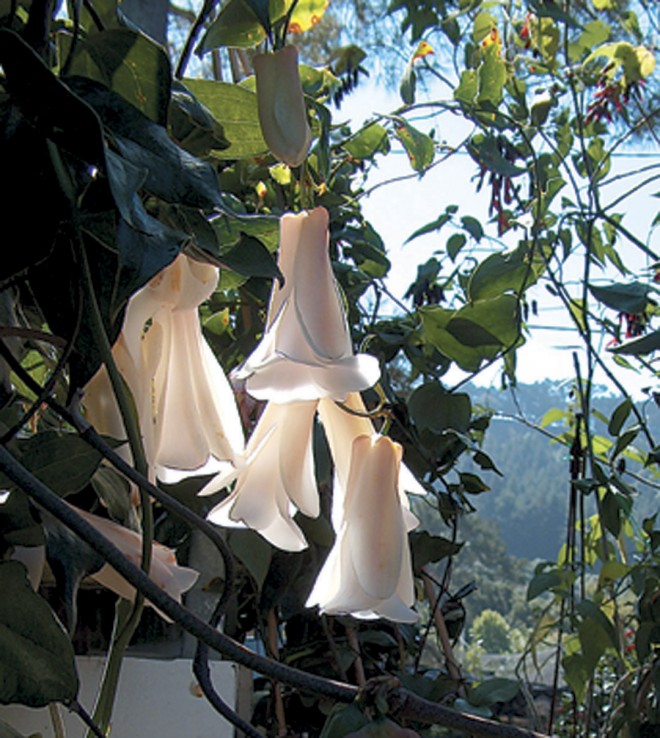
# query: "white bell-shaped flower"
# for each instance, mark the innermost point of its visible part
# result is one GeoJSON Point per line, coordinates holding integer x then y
{"type": "Point", "coordinates": [368, 571]}
{"type": "Point", "coordinates": [274, 478]}
{"type": "Point", "coordinates": [306, 350]}
{"type": "Point", "coordinates": [185, 405]}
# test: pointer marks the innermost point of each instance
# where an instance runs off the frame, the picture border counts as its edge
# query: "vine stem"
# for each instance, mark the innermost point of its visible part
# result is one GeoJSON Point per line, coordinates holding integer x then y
{"type": "Point", "coordinates": [126, 620]}
{"type": "Point", "coordinates": [404, 703]}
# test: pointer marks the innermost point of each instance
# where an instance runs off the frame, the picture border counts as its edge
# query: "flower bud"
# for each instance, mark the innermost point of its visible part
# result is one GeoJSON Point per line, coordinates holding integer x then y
{"type": "Point", "coordinates": [282, 112]}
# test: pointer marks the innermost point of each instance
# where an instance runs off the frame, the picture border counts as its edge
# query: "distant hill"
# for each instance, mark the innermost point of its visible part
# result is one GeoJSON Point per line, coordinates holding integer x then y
{"type": "Point", "coordinates": [529, 503]}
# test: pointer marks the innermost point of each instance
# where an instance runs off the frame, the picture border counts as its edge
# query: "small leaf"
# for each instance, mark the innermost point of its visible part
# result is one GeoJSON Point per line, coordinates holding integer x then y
{"type": "Point", "coordinates": [619, 417]}
{"type": "Point", "coordinates": [638, 346]}
{"type": "Point", "coordinates": [494, 690]}
{"type": "Point", "coordinates": [367, 142]}
{"type": "Point", "coordinates": [454, 244]}
{"type": "Point", "coordinates": [419, 146]}
{"type": "Point", "coordinates": [434, 225]}
{"type": "Point", "coordinates": [427, 548]}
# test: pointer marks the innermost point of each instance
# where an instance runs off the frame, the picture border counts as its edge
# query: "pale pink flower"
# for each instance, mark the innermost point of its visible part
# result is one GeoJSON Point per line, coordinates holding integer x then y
{"type": "Point", "coordinates": [306, 351]}
{"type": "Point", "coordinates": [164, 570]}
{"type": "Point", "coordinates": [274, 478]}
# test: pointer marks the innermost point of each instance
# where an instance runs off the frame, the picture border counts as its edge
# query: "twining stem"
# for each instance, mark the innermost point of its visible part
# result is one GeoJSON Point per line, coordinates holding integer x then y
{"type": "Point", "coordinates": [126, 621]}
{"type": "Point", "coordinates": [407, 705]}
{"type": "Point", "coordinates": [358, 666]}
{"type": "Point", "coordinates": [443, 634]}
{"type": "Point", "coordinates": [273, 647]}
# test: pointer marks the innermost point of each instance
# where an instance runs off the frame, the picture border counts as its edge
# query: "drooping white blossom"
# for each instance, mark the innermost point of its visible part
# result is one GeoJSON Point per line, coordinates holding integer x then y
{"type": "Point", "coordinates": [368, 571]}
{"type": "Point", "coordinates": [164, 570]}
{"type": "Point", "coordinates": [306, 351]}
{"type": "Point", "coordinates": [185, 405]}
{"type": "Point", "coordinates": [274, 478]}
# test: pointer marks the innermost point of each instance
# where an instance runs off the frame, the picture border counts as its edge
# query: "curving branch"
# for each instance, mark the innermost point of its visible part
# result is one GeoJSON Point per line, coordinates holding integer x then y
{"type": "Point", "coordinates": [403, 703]}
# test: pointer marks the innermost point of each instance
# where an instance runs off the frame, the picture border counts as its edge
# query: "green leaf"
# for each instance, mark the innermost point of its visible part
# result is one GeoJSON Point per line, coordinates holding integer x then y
{"type": "Point", "coordinates": [473, 227]}
{"type": "Point", "coordinates": [491, 77]}
{"type": "Point", "coordinates": [630, 298]}
{"type": "Point", "coordinates": [234, 108]}
{"type": "Point", "coordinates": [408, 84]}
{"type": "Point", "coordinates": [367, 142]}
{"type": "Point", "coordinates": [37, 665]}
{"type": "Point", "coordinates": [619, 417]}
{"type": "Point", "coordinates": [191, 124]}
{"type": "Point", "coordinates": [344, 720]}
{"type": "Point", "coordinates": [486, 152]}
{"type": "Point", "coordinates": [419, 146]}
{"type": "Point", "coordinates": [265, 228]}
{"type": "Point", "coordinates": [62, 461]}
{"type": "Point", "coordinates": [511, 271]}
{"type": "Point", "coordinates": [172, 173]}
{"type": "Point", "coordinates": [478, 331]}
{"type": "Point", "coordinates": [542, 582]}
{"type": "Point", "coordinates": [472, 484]}
{"type": "Point", "coordinates": [427, 548]}
{"type": "Point", "coordinates": [237, 25]}
{"type": "Point", "coordinates": [130, 64]}
{"type": "Point", "coordinates": [252, 551]}
{"type": "Point", "coordinates": [638, 346]}
{"type": "Point", "coordinates": [455, 243]}
{"type": "Point", "coordinates": [432, 407]}
{"type": "Point", "coordinates": [250, 258]}
{"type": "Point", "coordinates": [18, 522]}
{"type": "Point", "coordinates": [431, 227]}
{"type": "Point", "coordinates": [468, 86]}
{"type": "Point", "coordinates": [494, 690]}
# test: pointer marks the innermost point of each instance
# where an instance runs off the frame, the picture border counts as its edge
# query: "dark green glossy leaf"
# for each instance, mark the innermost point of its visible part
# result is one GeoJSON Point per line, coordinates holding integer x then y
{"type": "Point", "coordinates": [173, 174]}
{"type": "Point", "coordinates": [486, 152]}
{"type": "Point", "coordinates": [250, 258]}
{"type": "Point", "coordinates": [36, 665]}
{"type": "Point", "coordinates": [630, 298]}
{"type": "Point", "coordinates": [619, 417]}
{"type": "Point", "coordinates": [19, 525]}
{"type": "Point", "coordinates": [454, 245]}
{"type": "Point", "coordinates": [512, 271]}
{"type": "Point", "coordinates": [432, 407]}
{"type": "Point", "coordinates": [638, 346]}
{"type": "Point", "coordinates": [344, 720]}
{"type": "Point", "coordinates": [252, 551]}
{"type": "Point", "coordinates": [130, 64]}
{"type": "Point", "coordinates": [62, 461]}
{"type": "Point", "coordinates": [427, 548]}
{"type": "Point", "coordinates": [434, 225]}
{"type": "Point", "coordinates": [494, 690]}
{"type": "Point", "coordinates": [50, 106]}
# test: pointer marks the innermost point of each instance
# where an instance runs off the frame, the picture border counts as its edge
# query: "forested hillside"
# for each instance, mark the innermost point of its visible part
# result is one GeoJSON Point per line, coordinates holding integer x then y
{"type": "Point", "coordinates": [529, 501]}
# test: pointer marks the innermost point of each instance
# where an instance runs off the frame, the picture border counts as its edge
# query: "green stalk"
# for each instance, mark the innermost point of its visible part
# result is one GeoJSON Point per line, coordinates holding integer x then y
{"type": "Point", "coordinates": [127, 615]}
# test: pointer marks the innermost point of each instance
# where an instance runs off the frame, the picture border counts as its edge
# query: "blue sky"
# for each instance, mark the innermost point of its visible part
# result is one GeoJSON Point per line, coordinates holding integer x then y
{"type": "Point", "coordinates": [397, 209]}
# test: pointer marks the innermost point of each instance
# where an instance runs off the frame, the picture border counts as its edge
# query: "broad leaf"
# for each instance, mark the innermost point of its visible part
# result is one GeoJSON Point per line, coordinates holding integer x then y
{"type": "Point", "coordinates": [37, 665]}
{"type": "Point", "coordinates": [234, 109]}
